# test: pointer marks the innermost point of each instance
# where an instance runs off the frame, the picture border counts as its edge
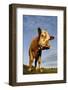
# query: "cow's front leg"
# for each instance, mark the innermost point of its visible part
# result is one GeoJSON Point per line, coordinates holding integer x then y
{"type": "Point", "coordinates": [39, 63]}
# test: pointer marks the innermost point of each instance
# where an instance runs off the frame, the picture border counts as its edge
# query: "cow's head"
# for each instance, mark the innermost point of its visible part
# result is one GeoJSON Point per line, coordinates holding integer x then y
{"type": "Point", "coordinates": [44, 37]}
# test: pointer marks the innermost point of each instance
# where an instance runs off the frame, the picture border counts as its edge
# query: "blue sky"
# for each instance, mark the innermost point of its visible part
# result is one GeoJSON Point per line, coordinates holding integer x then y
{"type": "Point", "coordinates": [30, 25]}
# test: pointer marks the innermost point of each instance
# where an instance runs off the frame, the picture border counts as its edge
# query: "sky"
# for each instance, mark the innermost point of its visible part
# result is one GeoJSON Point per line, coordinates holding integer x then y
{"type": "Point", "coordinates": [30, 25]}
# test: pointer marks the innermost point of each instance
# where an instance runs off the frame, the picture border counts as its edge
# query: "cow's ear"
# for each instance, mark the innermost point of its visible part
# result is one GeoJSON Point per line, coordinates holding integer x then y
{"type": "Point", "coordinates": [51, 37]}
{"type": "Point", "coordinates": [39, 31]}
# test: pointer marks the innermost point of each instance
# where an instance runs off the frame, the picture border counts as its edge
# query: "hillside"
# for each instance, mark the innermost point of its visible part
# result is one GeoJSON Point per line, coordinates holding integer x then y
{"type": "Point", "coordinates": [44, 70]}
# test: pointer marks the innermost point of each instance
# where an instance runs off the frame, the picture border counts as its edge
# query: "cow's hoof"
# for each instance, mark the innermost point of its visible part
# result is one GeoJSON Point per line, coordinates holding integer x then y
{"type": "Point", "coordinates": [36, 69]}
{"type": "Point", "coordinates": [41, 70]}
{"type": "Point", "coordinates": [29, 69]}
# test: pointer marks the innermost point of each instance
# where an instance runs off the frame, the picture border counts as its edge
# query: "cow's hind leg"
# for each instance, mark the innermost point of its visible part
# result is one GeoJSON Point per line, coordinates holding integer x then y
{"type": "Point", "coordinates": [36, 60]}
{"type": "Point", "coordinates": [30, 65]}
{"type": "Point", "coordinates": [31, 58]}
{"type": "Point", "coordinates": [35, 63]}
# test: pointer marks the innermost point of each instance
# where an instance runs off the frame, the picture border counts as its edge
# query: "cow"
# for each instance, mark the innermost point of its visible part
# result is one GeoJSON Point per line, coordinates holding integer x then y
{"type": "Point", "coordinates": [39, 43]}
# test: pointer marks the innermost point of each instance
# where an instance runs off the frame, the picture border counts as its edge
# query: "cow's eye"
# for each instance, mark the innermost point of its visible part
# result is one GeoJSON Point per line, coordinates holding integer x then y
{"type": "Point", "coordinates": [42, 36]}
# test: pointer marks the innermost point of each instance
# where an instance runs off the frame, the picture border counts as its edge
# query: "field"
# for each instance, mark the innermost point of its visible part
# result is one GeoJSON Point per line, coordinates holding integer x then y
{"type": "Point", "coordinates": [44, 70]}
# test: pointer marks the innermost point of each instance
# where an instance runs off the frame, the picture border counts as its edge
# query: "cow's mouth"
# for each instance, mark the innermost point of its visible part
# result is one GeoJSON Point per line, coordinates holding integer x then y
{"type": "Point", "coordinates": [44, 47]}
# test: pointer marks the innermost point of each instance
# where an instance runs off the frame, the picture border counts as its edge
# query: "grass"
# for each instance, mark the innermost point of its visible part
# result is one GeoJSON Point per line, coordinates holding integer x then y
{"type": "Point", "coordinates": [34, 71]}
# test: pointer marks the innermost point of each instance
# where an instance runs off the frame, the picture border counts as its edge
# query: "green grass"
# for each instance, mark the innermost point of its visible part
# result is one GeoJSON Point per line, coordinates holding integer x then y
{"type": "Point", "coordinates": [34, 71]}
